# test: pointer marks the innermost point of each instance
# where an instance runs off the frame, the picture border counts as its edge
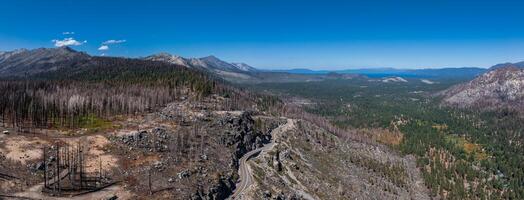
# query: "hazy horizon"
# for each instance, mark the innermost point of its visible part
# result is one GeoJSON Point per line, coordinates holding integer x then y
{"type": "Point", "coordinates": [278, 35]}
{"type": "Point", "coordinates": [284, 68]}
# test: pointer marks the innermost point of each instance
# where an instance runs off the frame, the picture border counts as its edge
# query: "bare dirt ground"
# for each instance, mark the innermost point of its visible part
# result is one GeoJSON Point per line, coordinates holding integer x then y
{"type": "Point", "coordinates": [97, 152]}
{"type": "Point", "coordinates": [22, 148]}
{"type": "Point", "coordinates": [35, 193]}
{"type": "Point", "coordinates": [25, 150]}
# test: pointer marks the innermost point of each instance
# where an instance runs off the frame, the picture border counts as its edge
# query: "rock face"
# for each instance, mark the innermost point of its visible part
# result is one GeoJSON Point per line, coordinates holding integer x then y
{"type": "Point", "coordinates": [156, 141]}
{"type": "Point", "coordinates": [501, 87]}
{"type": "Point", "coordinates": [28, 62]}
{"type": "Point", "coordinates": [241, 134]}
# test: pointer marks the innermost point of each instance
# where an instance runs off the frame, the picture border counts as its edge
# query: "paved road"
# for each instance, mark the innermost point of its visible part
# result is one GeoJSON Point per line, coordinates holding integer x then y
{"type": "Point", "coordinates": [244, 171]}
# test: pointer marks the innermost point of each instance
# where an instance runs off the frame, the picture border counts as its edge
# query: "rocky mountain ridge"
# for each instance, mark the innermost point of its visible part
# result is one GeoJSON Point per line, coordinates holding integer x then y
{"type": "Point", "coordinates": [501, 87]}
{"type": "Point", "coordinates": [210, 63]}
{"type": "Point", "coordinates": [229, 71]}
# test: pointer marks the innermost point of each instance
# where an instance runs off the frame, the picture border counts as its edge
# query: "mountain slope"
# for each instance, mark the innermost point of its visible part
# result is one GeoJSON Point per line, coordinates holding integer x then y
{"type": "Point", "coordinates": [244, 67]}
{"type": "Point", "coordinates": [502, 87]}
{"type": "Point", "coordinates": [28, 62]}
{"type": "Point", "coordinates": [228, 71]}
{"type": "Point", "coordinates": [165, 57]}
{"type": "Point", "coordinates": [508, 64]}
{"type": "Point", "coordinates": [308, 162]}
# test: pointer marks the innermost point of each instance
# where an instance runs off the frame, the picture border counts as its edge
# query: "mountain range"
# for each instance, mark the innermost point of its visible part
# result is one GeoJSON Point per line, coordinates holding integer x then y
{"type": "Point", "coordinates": [229, 71]}
{"type": "Point", "coordinates": [210, 63]}
{"type": "Point", "coordinates": [25, 62]}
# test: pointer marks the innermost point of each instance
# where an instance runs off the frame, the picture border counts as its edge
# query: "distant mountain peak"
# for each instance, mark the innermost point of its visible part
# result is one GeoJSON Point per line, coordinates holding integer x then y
{"type": "Point", "coordinates": [67, 48]}
{"type": "Point", "coordinates": [210, 57]}
{"type": "Point", "coordinates": [211, 63]}
{"type": "Point", "coordinates": [167, 57]}
{"type": "Point", "coordinates": [162, 54]}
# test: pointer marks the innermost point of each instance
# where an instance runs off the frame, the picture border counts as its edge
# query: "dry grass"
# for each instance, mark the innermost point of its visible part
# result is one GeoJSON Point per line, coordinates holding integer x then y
{"type": "Point", "coordinates": [468, 147]}
{"type": "Point", "coordinates": [389, 137]}
{"type": "Point", "coordinates": [384, 136]}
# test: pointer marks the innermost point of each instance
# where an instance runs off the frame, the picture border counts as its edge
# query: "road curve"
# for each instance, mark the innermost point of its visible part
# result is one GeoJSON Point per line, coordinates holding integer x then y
{"type": "Point", "coordinates": [244, 171]}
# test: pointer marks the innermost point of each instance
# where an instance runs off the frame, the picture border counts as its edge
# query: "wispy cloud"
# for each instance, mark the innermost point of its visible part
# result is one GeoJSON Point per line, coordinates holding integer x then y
{"type": "Point", "coordinates": [113, 42]}
{"type": "Point", "coordinates": [105, 45]}
{"type": "Point", "coordinates": [68, 42]}
{"type": "Point", "coordinates": [103, 48]}
{"type": "Point", "coordinates": [68, 33]}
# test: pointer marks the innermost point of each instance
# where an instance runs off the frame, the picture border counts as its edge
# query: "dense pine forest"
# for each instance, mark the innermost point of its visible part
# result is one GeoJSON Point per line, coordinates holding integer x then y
{"type": "Point", "coordinates": [463, 154]}
{"type": "Point", "coordinates": [91, 92]}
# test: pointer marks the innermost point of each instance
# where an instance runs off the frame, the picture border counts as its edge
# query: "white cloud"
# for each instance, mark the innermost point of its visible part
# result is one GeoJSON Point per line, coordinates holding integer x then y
{"type": "Point", "coordinates": [113, 42]}
{"type": "Point", "coordinates": [68, 33]}
{"type": "Point", "coordinates": [105, 45]}
{"type": "Point", "coordinates": [103, 48]}
{"type": "Point", "coordinates": [68, 42]}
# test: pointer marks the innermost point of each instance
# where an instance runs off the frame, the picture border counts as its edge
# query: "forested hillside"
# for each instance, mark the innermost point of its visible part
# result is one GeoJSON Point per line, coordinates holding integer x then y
{"type": "Point", "coordinates": [104, 87]}
{"type": "Point", "coordinates": [463, 154]}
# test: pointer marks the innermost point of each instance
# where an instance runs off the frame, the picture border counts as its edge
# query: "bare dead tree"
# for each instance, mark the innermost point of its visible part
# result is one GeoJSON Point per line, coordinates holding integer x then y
{"type": "Point", "coordinates": [149, 182]}
{"type": "Point", "coordinates": [45, 167]}
{"type": "Point", "coordinates": [58, 166]}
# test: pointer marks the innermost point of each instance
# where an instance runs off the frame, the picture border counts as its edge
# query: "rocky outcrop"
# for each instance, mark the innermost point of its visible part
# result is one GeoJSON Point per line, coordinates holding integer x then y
{"type": "Point", "coordinates": [308, 162]}
{"type": "Point", "coordinates": [220, 190]}
{"type": "Point", "coordinates": [502, 87]}
{"type": "Point", "coordinates": [155, 140]}
{"type": "Point", "coordinates": [240, 134]}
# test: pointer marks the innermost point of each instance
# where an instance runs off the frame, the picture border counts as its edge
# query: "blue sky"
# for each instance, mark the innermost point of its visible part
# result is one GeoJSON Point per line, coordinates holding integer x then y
{"type": "Point", "coordinates": [278, 33]}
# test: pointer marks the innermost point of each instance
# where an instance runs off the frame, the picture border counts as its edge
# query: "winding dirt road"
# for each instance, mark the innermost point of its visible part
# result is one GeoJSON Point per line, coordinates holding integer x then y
{"type": "Point", "coordinates": [244, 171]}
